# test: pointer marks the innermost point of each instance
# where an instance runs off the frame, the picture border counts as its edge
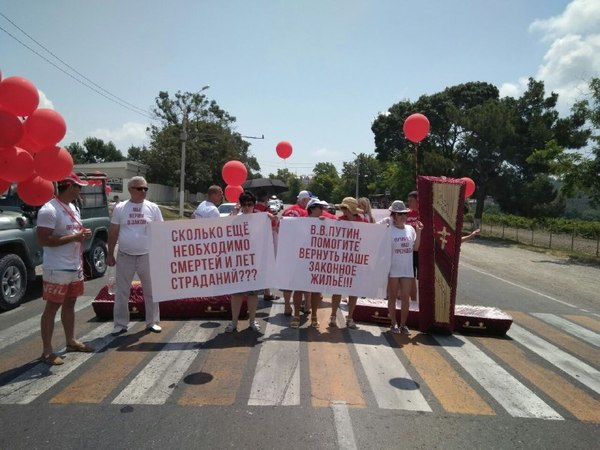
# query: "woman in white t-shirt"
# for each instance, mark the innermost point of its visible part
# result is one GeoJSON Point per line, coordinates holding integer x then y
{"type": "Point", "coordinates": [405, 241]}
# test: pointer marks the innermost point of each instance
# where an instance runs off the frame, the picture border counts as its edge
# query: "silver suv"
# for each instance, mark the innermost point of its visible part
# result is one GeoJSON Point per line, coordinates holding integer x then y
{"type": "Point", "coordinates": [20, 252]}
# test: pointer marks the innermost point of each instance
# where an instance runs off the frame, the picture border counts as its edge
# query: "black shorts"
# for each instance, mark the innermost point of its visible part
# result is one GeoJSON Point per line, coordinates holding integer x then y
{"type": "Point", "coordinates": [416, 264]}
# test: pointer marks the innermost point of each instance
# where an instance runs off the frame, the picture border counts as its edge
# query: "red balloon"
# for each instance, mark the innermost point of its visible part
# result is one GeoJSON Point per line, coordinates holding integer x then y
{"type": "Point", "coordinates": [53, 164]}
{"type": "Point", "coordinates": [16, 164]}
{"type": "Point", "coordinates": [234, 173]}
{"type": "Point", "coordinates": [416, 127]}
{"type": "Point", "coordinates": [284, 149]}
{"type": "Point", "coordinates": [19, 96]}
{"type": "Point", "coordinates": [45, 127]}
{"type": "Point", "coordinates": [232, 193]}
{"type": "Point", "coordinates": [4, 185]}
{"type": "Point", "coordinates": [108, 189]}
{"type": "Point", "coordinates": [469, 186]}
{"type": "Point", "coordinates": [11, 129]}
{"type": "Point", "coordinates": [27, 144]}
{"type": "Point", "coordinates": [35, 191]}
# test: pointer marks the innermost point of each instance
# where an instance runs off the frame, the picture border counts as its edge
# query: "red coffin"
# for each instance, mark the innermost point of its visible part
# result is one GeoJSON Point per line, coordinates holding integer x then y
{"type": "Point", "coordinates": [467, 319]}
{"type": "Point", "coordinates": [187, 308]}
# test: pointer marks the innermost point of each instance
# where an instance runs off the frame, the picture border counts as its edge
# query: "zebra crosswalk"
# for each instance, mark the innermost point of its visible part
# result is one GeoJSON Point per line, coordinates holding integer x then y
{"type": "Point", "coordinates": [547, 368]}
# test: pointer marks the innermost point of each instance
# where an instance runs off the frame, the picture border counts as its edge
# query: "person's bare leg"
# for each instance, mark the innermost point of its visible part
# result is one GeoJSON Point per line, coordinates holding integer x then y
{"type": "Point", "coordinates": [287, 295]}
{"type": "Point", "coordinates": [392, 293]}
{"type": "Point", "coordinates": [236, 306]}
{"type": "Point", "coordinates": [352, 299]}
{"type": "Point", "coordinates": [252, 305]}
{"type": "Point", "coordinates": [47, 326]}
{"type": "Point", "coordinates": [413, 290]}
{"type": "Point", "coordinates": [336, 299]}
{"type": "Point", "coordinates": [315, 303]}
{"type": "Point", "coordinates": [406, 284]}
{"type": "Point", "coordinates": [67, 317]}
{"type": "Point", "coordinates": [297, 298]}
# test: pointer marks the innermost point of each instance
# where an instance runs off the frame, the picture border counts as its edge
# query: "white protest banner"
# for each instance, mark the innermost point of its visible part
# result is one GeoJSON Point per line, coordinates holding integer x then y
{"type": "Point", "coordinates": [208, 257]}
{"type": "Point", "coordinates": [339, 257]}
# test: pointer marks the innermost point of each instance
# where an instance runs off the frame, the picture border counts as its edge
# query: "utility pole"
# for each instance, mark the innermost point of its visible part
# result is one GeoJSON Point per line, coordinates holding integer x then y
{"type": "Point", "coordinates": [357, 172]}
{"type": "Point", "coordinates": [183, 137]}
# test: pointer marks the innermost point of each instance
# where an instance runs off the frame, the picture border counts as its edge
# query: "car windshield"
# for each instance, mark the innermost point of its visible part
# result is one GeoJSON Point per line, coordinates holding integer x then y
{"type": "Point", "coordinates": [226, 208]}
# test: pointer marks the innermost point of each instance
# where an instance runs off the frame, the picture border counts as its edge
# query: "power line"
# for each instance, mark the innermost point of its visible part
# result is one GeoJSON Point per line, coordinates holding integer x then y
{"type": "Point", "coordinates": [113, 98]}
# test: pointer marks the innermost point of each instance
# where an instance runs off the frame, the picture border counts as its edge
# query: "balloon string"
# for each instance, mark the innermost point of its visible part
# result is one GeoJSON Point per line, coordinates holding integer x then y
{"type": "Point", "coordinates": [416, 163]}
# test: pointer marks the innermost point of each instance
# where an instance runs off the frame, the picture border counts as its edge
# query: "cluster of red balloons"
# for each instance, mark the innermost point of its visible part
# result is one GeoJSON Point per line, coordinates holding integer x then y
{"type": "Point", "coordinates": [234, 173]}
{"type": "Point", "coordinates": [416, 127]}
{"type": "Point", "coordinates": [29, 155]}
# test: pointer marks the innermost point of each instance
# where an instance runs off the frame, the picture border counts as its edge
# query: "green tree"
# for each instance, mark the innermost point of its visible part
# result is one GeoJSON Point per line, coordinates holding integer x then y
{"type": "Point", "coordinates": [137, 154]}
{"type": "Point", "coordinates": [293, 184]}
{"type": "Point", "coordinates": [325, 180]}
{"type": "Point", "coordinates": [94, 150]}
{"type": "Point", "coordinates": [211, 141]}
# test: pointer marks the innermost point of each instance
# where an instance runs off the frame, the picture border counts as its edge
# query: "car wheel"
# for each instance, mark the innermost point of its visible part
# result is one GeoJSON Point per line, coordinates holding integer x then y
{"type": "Point", "coordinates": [95, 261]}
{"type": "Point", "coordinates": [13, 281]}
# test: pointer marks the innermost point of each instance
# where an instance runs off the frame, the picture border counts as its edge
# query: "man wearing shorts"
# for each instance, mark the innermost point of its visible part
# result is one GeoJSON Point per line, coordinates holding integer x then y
{"type": "Point", "coordinates": [61, 234]}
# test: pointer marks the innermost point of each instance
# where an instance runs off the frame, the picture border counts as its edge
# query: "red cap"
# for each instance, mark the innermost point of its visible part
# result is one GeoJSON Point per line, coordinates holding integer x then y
{"type": "Point", "coordinates": [73, 178]}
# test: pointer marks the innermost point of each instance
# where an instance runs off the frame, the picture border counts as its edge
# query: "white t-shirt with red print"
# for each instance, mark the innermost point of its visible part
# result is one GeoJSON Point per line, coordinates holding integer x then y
{"type": "Point", "coordinates": [133, 220]}
{"type": "Point", "coordinates": [65, 220]}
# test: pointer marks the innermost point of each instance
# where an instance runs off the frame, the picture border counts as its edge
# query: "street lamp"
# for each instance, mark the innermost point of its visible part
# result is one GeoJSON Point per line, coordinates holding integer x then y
{"type": "Point", "coordinates": [183, 137]}
{"type": "Point", "coordinates": [357, 170]}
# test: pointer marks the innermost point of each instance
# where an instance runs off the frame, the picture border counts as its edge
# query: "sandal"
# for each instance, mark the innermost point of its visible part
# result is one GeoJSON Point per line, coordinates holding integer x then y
{"type": "Point", "coordinates": [295, 322]}
{"type": "Point", "coordinates": [314, 322]}
{"type": "Point", "coordinates": [80, 347]}
{"type": "Point", "coordinates": [52, 359]}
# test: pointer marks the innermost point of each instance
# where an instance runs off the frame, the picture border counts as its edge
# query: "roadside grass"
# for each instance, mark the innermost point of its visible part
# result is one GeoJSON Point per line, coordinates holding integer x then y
{"type": "Point", "coordinates": [573, 256]}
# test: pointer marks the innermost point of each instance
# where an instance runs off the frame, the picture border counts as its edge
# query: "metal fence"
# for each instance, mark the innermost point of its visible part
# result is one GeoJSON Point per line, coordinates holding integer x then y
{"type": "Point", "coordinates": [542, 238]}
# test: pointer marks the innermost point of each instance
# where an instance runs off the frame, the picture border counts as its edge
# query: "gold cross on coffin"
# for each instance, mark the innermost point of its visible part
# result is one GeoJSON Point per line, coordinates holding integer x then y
{"type": "Point", "coordinates": [443, 235]}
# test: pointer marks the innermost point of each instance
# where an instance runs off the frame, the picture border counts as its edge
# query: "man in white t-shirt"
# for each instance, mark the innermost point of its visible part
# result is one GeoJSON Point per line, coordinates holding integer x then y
{"type": "Point", "coordinates": [129, 226]}
{"type": "Point", "coordinates": [208, 208]}
{"type": "Point", "coordinates": [60, 232]}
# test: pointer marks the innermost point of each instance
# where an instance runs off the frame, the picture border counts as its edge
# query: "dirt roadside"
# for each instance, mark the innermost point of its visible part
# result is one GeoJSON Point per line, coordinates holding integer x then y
{"type": "Point", "coordinates": [552, 275]}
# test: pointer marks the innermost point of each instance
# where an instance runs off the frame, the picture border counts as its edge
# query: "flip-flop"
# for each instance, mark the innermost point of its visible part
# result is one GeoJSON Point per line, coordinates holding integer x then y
{"type": "Point", "coordinates": [52, 359]}
{"type": "Point", "coordinates": [80, 347]}
{"type": "Point", "coordinates": [295, 322]}
{"type": "Point", "coordinates": [314, 322]}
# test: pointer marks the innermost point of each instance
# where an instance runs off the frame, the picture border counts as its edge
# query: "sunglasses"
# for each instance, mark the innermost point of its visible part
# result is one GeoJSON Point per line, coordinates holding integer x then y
{"type": "Point", "coordinates": [399, 214]}
{"type": "Point", "coordinates": [247, 204]}
{"type": "Point", "coordinates": [140, 189]}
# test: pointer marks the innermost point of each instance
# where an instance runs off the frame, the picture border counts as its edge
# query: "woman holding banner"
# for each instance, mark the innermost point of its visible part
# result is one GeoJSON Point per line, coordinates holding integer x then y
{"type": "Point", "coordinates": [314, 208]}
{"type": "Point", "coordinates": [405, 240]}
{"type": "Point", "coordinates": [352, 213]}
{"type": "Point", "coordinates": [246, 203]}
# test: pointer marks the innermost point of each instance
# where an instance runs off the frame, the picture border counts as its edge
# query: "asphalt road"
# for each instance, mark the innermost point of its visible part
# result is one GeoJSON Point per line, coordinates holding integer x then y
{"type": "Point", "coordinates": [329, 388]}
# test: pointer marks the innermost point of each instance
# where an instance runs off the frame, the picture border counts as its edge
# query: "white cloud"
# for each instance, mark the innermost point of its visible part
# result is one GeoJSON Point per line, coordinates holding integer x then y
{"type": "Point", "coordinates": [45, 102]}
{"type": "Point", "coordinates": [573, 56]}
{"type": "Point", "coordinates": [325, 153]}
{"type": "Point", "coordinates": [130, 133]}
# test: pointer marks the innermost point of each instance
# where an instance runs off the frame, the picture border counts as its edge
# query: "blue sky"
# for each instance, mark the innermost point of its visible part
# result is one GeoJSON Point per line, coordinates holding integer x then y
{"type": "Point", "coordinates": [312, 72]}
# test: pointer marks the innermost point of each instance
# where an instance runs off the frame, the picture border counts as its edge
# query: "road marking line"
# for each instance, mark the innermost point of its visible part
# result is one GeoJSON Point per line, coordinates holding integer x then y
{"type": "Point", "coordinates": [37, 380]}
{"type": "Point", "coordinates": [32, 325]}
{"type": "Point", "coordinates": [473, 268]}
{"type": "Point", "coordinates": [332, 374]}
{"type": "Point", "coordinates": [571, 328]}
{"type": "Point", "coordinates": [451, 390]}
{"type": "Point", "coordinates": [517, 399]}
{"type": "Point", "coordinates": [586, 321]}
{"type": "Point", "coordinates": [391, 384]}
{"type": "Point", "coordinates": [555, 386]}
{"type": "Point", "coordinates": [343, 426]}
{"type": "Point", "coordinates": [158, 379]}
{"type": "Point", "coordinates": [557, 337]}
{"type": "Point", "coordinates": [573, 367]}
{"type": "Point", "coordinates": [277, 374]}
{"type": "Point", "coordinates": [97, 383]}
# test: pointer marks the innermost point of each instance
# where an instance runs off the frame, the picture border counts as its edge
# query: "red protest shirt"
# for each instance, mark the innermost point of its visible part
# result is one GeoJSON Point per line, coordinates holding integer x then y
{"type": "Point", "coordinates": [259, 207]}
{"type": "Point", "coordinates": [328, 215]}
{"type": "Point", "coordinates": [295, 211]}
{"type": "Point", "coordinates": [357, 218]}
{"type": "Point", "coordinates": [413, 217]}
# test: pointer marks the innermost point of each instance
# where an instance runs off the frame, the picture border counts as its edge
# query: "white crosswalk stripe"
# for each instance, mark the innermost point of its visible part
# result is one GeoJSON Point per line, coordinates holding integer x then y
{"type": "Point", "coordinates": [277, 375]}
{"type": "Point", "coordinates": [37, 380]}
{"type": "Point", "coordinates": [391, 384]}
{"type": "Point", "coordinates": [572, 366]}
{"type": "Point", "coordinates": [517, 399]}
{"type": "Point", "coordinates": [566, 325]}
{"type": "Point", "coordinates": [157, 380]}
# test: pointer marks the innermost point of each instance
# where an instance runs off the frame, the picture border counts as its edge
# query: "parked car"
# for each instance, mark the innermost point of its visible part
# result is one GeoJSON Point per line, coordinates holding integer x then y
{"type": "Point", "coordinates": [225, 209]}
{"type": "Point", "coordinates": [20, 252]}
